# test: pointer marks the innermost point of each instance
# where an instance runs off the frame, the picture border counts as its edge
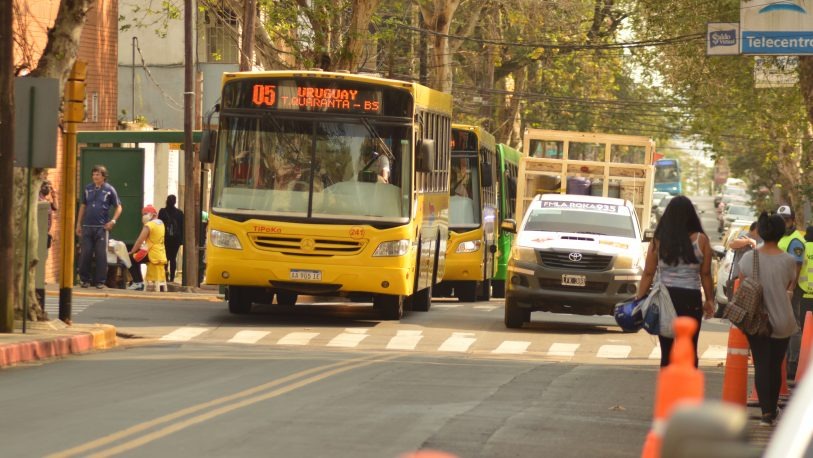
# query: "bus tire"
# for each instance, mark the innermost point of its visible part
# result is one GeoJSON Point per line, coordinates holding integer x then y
{"type": "Point", "coordinates": [287, 298]}
{"type": "Point", "coordinates": [466, 291]}
{"type": "Point", "coordinates": [421, 301]}
{"type": "Point", "coordinates": [390, 306]}
{"type": "Point", "coordinates": [515, 316]}
{"type": "Point", "coordinates": [498, 288]}
{"type": "Point", "coordinates": [485, 290]}
{"type": "Point", "coordinates": [239, 300]}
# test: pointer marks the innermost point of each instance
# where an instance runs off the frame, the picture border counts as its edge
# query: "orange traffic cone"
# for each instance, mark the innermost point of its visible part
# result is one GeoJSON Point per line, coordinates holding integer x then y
{"type": "Point", "coordinates": [784, 391]}
{"type": "Point", "coordinates": [805, 350]}
{"type": "Point", "coordinates": [680, 381]}
{"type": "Point", "coordinates": [735, 379]}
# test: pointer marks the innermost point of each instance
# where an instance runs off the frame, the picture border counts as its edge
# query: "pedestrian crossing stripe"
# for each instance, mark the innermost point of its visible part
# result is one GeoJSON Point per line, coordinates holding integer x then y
{"type": "Point", "coordinates": [409, 340]}
{"type": "Point", "coordinates": [78, 304]}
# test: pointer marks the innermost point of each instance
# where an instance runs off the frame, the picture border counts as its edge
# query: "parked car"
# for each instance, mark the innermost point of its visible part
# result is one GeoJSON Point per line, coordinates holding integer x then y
{"type": "Point", "coordinates": [739, 212]}
{"type": "Point", "coordinates": [662, 207]}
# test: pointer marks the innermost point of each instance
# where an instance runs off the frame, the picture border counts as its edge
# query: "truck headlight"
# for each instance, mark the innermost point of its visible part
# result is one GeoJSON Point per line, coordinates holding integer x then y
{"type": "Point", "coordinates": [469, 246]}
{"type": "Point", "coordinates": [225, 240]}
{"type": "Point", "coordinates": [524, 254]}
{"type": "Point", "coordinates": [392, 248]}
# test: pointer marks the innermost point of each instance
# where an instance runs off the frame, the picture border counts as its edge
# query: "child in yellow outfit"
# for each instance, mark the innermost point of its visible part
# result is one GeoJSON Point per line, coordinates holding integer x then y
{"type": "Point", "coordinates": [152, 238]}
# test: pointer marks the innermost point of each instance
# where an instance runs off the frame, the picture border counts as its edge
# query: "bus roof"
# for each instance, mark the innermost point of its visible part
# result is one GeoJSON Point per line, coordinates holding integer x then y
{"type": "Point", "coordinates": [483, 135]}
{"type": "Point", "coordinates": [508, 154]}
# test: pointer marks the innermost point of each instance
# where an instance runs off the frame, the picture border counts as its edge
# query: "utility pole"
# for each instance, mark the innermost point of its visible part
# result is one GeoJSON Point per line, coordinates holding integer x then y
{"type": "Point", "coordinates": [6, 168]}
{"type": "Point", "coordinates": [191, 217]}
{"type": "Point", "coordinates": [247, 44]}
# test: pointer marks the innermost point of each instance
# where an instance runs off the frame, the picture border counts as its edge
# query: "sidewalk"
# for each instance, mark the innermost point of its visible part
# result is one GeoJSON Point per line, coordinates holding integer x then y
{"type": "Point", "coordinates": [54, 339]}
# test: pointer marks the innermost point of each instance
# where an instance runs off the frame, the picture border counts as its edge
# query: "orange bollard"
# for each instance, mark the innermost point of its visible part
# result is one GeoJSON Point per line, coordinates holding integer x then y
{"type": "Point", "coordinates": [678, 382]}
{"type": "Point", "coordinates": [428, 454]}
{"type": "Point", "coordinates": [735, 379]}
{"type": "Point", "coordinates": [805, 350]}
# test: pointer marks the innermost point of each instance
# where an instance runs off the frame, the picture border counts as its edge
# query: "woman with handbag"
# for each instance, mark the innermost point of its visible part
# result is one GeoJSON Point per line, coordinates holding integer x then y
{"type": "Point", "coordinates": [776, 273]}
{"type": "Point", "coordinates": [681, 255]}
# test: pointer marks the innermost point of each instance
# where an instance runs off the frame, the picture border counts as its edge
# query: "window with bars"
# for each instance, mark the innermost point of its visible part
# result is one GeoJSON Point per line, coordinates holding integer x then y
{"type": "Point", "coordinates": [221, 27]}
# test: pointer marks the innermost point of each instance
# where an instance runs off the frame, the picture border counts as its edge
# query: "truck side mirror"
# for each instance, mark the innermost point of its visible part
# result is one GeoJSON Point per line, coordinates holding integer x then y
{"type": "Point", "coordinates": [487, 177]}
{"type": "Point", "coordinates": [208, 142]}
{"type": "Point", "coordinates": [509, 225]}
{"type": "Point", "coordinates": [426, 156]}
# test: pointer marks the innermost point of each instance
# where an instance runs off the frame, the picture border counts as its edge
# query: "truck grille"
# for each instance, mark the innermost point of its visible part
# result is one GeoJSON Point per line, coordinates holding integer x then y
{"type": "Point", "coordinates": [307, 246]}
{"type": "Point", "coordinates": [556, 285]}
{"type": "Point", "coordinates": [563, 260]}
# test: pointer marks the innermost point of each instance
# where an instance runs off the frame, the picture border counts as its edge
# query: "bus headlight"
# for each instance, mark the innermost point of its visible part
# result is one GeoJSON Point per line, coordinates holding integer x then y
{"type": "Point", "coordinates": [392, 248]}
{"type": "Point", "coordinates": [225, 240]}
{"type": "Point", "coordinates": [469, 246]}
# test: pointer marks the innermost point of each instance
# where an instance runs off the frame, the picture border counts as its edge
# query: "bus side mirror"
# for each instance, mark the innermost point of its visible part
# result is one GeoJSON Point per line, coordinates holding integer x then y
{"type": "Point", "coordinates": [208, 141]}
{"type": "Point", "coordinates": [509, 225]}
{"type": "Point", "coordinates": [426, 156]}
{"type": "Point", "coordinates": [487, 177]}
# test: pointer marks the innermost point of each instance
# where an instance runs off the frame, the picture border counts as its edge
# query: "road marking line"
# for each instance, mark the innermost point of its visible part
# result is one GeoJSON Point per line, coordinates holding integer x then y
{"type": "Point", "coordinates": [512, 347]}
{"type": "Point", "coordinates": [487, 308]}
{"type": "Point", "coordinates": [248, 337]}
{"type": "Point", "coordinates": [563, 350]}
{"type": "Point", "coordinates": [614, 351]}
{"type": "Point", "coordinates": [184, 334]}
{"type": "Point", "coordinates": [297, 338]}
{"type": "Point", "coordinates": [656, 352]}
{"type": "Point", "coordinates": [405, 340]}
{"type": "Point", "coordinates": [459, 342]}
{"type": "Point", "coordinates": [350, 338]}
{"type": "Point", "coordinates": [446, 306]}
{"type": "Point", "coordinates": [715, 352]}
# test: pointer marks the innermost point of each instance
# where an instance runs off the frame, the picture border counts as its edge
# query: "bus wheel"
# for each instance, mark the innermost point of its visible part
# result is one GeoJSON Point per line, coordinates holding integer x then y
{"type": "Point", "coordinates": [466, 291]}
{"type": "Point", "coordinates": [422, 300]}
{"type": "Point", "coordinates": [498, 288]}
{"type": "Point", "coordinates": [515, 316]}
{"type": "Point", "coordinates": [239, 300]}
{"type": "Point", "coordinates": [485, 291]}
{"type": "Point", "coordinates": [286, 298]}
{"type": "Point", "coordinates": [390, 306]}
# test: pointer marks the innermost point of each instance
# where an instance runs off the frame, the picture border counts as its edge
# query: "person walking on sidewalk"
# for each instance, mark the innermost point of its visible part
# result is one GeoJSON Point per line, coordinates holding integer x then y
{"type": "Point", "coordinates": [793, 242]}
{"type": "Point", "coordinates": [681, 255]}
{"type": "Point", "coordinates": [94, 224]}
{"type": "Point", "coordinates": [805, 303]}
{"type": "Point", "coordinates": [173, 222]}
{"type": "Point", "coordinates": [777, 275]}
{"type": "Point", "coordinates": [152, 238]}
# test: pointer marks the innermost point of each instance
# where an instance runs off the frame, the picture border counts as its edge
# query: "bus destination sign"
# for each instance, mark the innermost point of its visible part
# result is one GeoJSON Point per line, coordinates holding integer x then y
{"type": "Point", "coordinates": [315, 98]}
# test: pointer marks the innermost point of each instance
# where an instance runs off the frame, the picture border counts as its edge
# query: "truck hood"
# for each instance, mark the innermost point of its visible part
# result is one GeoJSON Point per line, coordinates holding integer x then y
{"type": "Point", "coordinates": [578, 242]}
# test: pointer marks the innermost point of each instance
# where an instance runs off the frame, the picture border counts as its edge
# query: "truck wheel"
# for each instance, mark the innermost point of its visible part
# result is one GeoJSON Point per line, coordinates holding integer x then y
{"type": "Point", "coordinates": [239, 300]}
{"type": "Point", "coordinates": [390, 306]}
{"type": "Point", "coordinates": [286, 298]}
{"type": "Point", "coordinates": [485, 291]}
{"type": "Point", "coordinates": [515, 316]}
{"type": "Point", "coordinates": [498, 288]}
{"type": "Point", "coordinates": [466, 291]}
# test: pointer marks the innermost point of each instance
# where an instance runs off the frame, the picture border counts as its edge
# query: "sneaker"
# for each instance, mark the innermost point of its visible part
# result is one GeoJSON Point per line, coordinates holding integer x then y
{"type": "Point", "coordinates": [136, 287]}
{"type": "Point", "coordinates": [101, 286]}
{"type": "Point", "coordinates": [767, 420]}
{"type": "Point", "coordinates": [85, 284]}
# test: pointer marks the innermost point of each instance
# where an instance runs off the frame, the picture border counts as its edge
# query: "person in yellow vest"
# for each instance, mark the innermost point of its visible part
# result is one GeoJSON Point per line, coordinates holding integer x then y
{"type": "Point", "coordinates": [805, 304]}
{"type": "Point", "coordinates": [794, 244]}
{"type": "Point", "coordinates": [151, 238]}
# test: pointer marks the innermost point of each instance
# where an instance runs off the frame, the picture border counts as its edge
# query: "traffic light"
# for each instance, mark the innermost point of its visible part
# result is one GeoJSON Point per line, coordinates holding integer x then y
{"type": "Point", "coordinates": [75, 93]}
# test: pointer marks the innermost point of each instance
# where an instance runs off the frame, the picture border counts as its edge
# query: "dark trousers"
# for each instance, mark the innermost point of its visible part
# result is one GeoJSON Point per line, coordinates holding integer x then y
{"type": "Point", "coordinates": [93, 245]}
{"type": "Point", "coordinates": [687, 302]}
{"type": "Point", "coordinates": [135, 268]}
{"type": "Point", "coordinates": [768, 354]}
{"type": "Point", "coordinates": [801, 306]}
{"type": "Point", "coordinates": [172, 248]}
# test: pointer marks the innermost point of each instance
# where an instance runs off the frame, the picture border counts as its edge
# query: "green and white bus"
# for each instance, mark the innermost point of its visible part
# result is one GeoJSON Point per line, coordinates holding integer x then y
{"type": "Point", "coordinates": [507, 167]}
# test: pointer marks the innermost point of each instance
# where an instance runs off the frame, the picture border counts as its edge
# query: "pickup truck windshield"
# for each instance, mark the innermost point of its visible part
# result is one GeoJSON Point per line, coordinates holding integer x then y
{"type": "Point", "coordinates": [615, 224]}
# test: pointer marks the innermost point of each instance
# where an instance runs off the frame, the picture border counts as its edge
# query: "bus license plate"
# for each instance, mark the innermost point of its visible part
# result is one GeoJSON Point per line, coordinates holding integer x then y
{"type": "Point", "coordinates": [574, 280]}
{"type": "Point", "coordinates": [307, 275]}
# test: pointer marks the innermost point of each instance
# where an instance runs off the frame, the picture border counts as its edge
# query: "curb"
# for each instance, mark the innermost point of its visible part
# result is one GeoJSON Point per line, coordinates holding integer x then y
{"type": "Point", "coordinates": [146, 295]}
{"type": "Point", "coordinates": [99, 337]}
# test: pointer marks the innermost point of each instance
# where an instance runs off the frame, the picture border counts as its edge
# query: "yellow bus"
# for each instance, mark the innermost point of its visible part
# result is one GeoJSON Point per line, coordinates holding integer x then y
{"type": "Point", "coordinates": [473, 213]}
{"type": "Point", "coordinates": [330, 184]}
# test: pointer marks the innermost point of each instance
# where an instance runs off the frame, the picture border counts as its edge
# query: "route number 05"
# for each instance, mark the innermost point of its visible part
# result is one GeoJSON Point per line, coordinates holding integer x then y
{"type": "Point", "coordinates": [264, 94]}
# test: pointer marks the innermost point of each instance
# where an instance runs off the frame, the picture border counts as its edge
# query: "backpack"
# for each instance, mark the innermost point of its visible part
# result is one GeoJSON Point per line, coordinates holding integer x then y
{"type": "Point", "coordinates": [173, 230]}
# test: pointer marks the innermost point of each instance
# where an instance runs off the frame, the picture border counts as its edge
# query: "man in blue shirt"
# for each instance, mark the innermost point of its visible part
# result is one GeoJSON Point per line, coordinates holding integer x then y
{"type": "Point", "coordinates": [93, 225]}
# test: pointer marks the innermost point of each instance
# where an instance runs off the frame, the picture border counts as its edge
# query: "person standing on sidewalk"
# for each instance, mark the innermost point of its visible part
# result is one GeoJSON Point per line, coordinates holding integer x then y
{"type": "Point", "coordinates": [47, 194]}
{"type": "Point", "coordinates": [805, 302]}
{"type": "Point", "coordinates": [681, 255]}
{"type": "Point", "coordinates": [173, 222]}
{"type": "Point", "coordinates": [777, 275]}
{"type": "Point", "coordinates": [94, 224]}
{"type": "Point", "coordinates": [793, 242]}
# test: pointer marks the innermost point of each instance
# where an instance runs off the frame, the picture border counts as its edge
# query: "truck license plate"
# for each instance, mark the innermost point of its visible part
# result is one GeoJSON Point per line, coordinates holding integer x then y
{"type": "Point", "coordinates": [574, 280]}
{"type": "Point", "coordinates": [307, 275]}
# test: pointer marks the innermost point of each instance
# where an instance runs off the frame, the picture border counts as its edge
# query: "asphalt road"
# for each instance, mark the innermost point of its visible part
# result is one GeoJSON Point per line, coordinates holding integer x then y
{"type": "Point", "coordinates": [331, 379]}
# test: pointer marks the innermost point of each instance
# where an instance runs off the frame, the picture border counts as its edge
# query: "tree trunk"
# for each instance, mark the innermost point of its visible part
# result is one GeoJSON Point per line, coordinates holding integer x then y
{"type": "Point", "coordinates": [6, 166]}
{"type": "Point", "coordinates": [356, 37]}
{"type": "Point", "coordinates": [437, 15]}
{"type": "Point", "coordinates": [247, 45]}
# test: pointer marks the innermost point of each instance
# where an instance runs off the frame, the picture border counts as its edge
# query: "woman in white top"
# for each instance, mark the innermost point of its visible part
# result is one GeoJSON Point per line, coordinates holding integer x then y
{"type": "Point", "coordinates": [777, 275]}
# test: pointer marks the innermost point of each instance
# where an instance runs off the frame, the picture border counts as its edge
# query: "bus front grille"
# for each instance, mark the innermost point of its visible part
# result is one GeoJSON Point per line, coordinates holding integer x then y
{"type": "Point", "coordinates": [307, 246]}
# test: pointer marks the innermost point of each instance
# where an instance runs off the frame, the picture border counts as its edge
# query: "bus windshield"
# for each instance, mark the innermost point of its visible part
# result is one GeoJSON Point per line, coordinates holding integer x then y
{"type": "Point", "coordinates": [268, 166]}
{"type": "Point", "coordinates": [666, 172]}
{"type": "Point", "coordinates": [464, 203]}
